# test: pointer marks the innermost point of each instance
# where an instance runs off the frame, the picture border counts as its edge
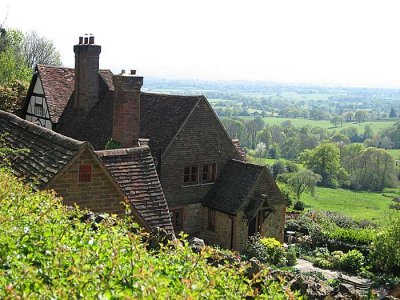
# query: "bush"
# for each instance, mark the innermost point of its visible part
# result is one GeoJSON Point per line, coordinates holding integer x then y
{"type": "Point", "coordinates": [352, 261]}
{"type": "Point", "coordinates": [46, 251]}
{"type": "Point", "coordinates": [385, 249]}
{"type": "Point", "coordinates": [299, 205]}
{"type": "Point", "coordinates": [291, 256]}
{"type": "Point", "coordinates": [266, 250]}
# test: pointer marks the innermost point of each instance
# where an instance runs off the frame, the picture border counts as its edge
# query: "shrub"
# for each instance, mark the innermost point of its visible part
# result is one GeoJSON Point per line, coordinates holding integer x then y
{"type": "Point", "coordinates": [385, 249]}
{"type": "Point", "coordinates": [291, 256]}
{"type": "Point", "coordinates": [352, 261]}
{"type": "Point", "coordinates": [266, 250]}
{"type": "Point", "coordinates": [46, 251]}
{"type": "Point", "coordinates": [299, 205]}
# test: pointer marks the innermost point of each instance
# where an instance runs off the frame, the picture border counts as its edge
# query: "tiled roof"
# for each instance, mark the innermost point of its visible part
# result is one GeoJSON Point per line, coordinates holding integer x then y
{"type": "Point", "coordinates": [58, 85]}
{"type": "Point", "coordinates": [133, 169]}
{"type": "Point", "coordinates": [161, 117]}
{"type": "Point", "coordinates": [240, 149]}
{"type": "Point", "coordinates": [233, 186]}
{"type": "Point", "coordinates": [48, 153]}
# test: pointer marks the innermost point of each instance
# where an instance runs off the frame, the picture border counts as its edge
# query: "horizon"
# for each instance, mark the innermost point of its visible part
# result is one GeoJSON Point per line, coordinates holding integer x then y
{"type": "Point", "coordinates": [334, 43]}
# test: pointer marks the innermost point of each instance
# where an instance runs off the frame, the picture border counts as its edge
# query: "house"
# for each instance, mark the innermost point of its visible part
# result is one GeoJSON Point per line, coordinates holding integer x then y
{"type": "Point", "coordinates": [196, 160]}
{"type": "Point", "coordinates": [80, 176]}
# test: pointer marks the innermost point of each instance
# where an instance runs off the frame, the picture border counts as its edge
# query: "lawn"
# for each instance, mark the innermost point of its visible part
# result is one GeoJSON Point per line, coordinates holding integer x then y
{"type": "Point", "coordinates": [358, 205]}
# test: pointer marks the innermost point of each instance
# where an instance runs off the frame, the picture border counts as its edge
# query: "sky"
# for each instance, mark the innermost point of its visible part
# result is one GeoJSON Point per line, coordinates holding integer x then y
{"type": "Point", "coordinates": [335, 42]}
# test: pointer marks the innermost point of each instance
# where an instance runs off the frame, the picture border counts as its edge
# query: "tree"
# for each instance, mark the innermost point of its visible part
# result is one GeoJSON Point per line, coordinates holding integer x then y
{"type": "Point", "coordinates": [261, 150]}
{"type": "Point", "coordinates": [303, 181]}
{"type": "Point", "coordinates": [325, 161]}
{"type": "Point", "coordinates": [278, 168]}
{"type": "Point", "coordinates": [12, 95]}
{"type": "Point", "coordinates": [392, 113]}
{"type": "Point", "coordinates": [251, 128]}
{"type": "Point", "coordinates": [335, 120]}
{"type": "Point", "coordinates": [368, 132]}
{"type": "Point", "coordinates": [361, 116]}
{"type": "Point", "coordinates": [265, 137]}
{"type": "Point", "coordinates": [348, 116]}
{"type": "Point", "coordinates": [39, 50]}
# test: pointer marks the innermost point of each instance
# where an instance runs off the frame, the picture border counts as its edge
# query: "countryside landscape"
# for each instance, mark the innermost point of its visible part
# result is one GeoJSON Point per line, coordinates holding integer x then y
{"type": "Point", "coordinates": [148, 183]}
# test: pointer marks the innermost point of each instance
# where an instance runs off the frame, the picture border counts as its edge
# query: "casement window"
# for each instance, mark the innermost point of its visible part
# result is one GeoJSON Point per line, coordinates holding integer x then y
{"type": "Point", "coordinates": [211, 219]}
{"type": "Point", "coordinates": [177, 218]}
{"type": "Point", "coordinates": [190, 175]}
{"type": "Point", "coordinates": [38, 109]}
{"type": "Point", "coordinates": [209, 173]}
{"type": "Point", "coordinates": [85, 173]}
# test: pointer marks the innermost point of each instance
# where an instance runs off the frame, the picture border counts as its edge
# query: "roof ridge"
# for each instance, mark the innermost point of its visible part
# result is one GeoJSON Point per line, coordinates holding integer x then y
{"type": "Point", "coordinates": [246, 163]}
{"type": "Point", "coordinates": [36, 129]}
{"type": "Point", "coordinates": [54, 67]}
{"type": "Point", "coordinates": [122, 152]}
{"type": "Point", "coordinates": [172, 95]}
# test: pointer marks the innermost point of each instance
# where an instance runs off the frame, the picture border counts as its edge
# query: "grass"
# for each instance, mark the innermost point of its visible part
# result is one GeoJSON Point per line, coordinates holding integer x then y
{"type": "Point", "coordinates": [395, 153]}
{"type": "Point", "coordinates": [377, 126]}
{"type": "Point", "coordinates": [358, 205]}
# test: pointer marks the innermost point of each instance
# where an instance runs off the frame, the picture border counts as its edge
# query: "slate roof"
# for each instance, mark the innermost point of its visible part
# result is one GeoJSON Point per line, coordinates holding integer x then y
{"type": "Point", "coordinates": [133, 169]}
{"type": "Point", "coordinates": [58, 85]}
{"type": "Point", "coordinates": [49, 151]}
{"type": "Point", "coordinates": [240, 149]}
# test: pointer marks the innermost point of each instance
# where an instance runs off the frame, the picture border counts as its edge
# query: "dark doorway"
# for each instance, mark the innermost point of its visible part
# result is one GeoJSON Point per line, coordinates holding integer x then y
{"type": "Point", "coordinates": [252, 227]}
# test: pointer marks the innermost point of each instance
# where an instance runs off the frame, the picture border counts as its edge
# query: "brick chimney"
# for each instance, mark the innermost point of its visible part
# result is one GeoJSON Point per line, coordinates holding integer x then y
{"type": "Point", "coordinates": [126, 108]}
{"type": "Point", "coordinates": [86, 73]}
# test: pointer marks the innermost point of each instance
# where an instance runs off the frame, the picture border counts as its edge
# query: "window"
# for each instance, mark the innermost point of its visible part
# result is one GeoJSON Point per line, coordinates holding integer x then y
{"type": "Point", "coordinates": [85, 173]}
{"type": "Point", "coordinates": [177, 218]}
{"type": "Point", "coordinates": [190, 175]}
{"type": "Point", "coordinates": [211, 219]}
{"type": "Point", "coordinates": [38, 109]}
{"type": "Point", "coordinates": [209, 173]}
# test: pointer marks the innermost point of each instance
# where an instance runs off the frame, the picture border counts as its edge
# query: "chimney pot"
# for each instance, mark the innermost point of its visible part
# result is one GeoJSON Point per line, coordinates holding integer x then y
{"type": "Point", "coordinates": [133, 72]}
{"type": "Point", "coordinates": [122, 71]}
{"type": "Point", "coordinates": [86, 39]}
{"type": "Point", "coordinates": [80, 40]}
{"type": "Point", "coordinates": [91, 40]}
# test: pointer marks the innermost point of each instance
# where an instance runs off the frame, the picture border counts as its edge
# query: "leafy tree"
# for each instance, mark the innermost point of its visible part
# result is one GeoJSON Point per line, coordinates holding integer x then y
{"type": "Point", "coordinates": [261, 150]}
{"type": "Point", "coordinates": [12, 66]}
{"type": "Point", "coordinates": [12, 96]}
{"type": "Point", "coordinates": [278, 168]}
{"type": "Point", "coordinates": [368, 132]}
{"type": "Point", "coordinates": [265, 137]}
{"type": "Point", "coordinates": [39, 50]}
{"type": "Point", "coordinates": [335, 120]}
{"type": "Point", "coordinates": [325, 161]}
{"type": "Point", "coordinates": [361, 116]}
{"type": "Point", "coordinates": [303, 181]}
{"type": "Point", "coordinates": [234, 127]}
{"type": "Point", "coordinates": [252, 127]}
{"type": "Point", "coordinates": [348, 116]}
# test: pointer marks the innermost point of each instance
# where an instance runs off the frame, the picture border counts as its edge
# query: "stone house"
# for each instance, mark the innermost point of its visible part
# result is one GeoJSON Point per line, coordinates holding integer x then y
{"type": "Point", "coordinates": [197, 162]}
{"type": "Point", "coordinates": [80, 176]}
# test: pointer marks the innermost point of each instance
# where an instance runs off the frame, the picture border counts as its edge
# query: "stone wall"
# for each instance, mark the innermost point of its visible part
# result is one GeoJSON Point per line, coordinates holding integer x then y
{"type": "Point", "coordinates": [221, 236]}
{"type": "Point", "coordinates": [100, 195]}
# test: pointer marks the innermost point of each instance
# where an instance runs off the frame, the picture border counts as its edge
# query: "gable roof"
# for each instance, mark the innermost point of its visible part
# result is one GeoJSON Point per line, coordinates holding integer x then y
{"type": "Point", "coordinates": [134, 170]}
{"type": "Point", "coordinates": [235, 185]}
{"type": "Point", "coordinates": [58, 85]}
{"type": "Point", "coordinates": [49, 152]}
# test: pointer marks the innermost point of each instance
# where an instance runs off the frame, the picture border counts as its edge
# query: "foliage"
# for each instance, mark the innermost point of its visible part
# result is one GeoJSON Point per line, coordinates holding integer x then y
{"type": "Point", "coordinates": [299, 205]}
{"type": "Point", "coordinates": [12, 96]}
{"type": "Point", "coordinates": [303, 181]}
{"type": "Point", "coordinates": [268, 250]}
{"type": "Point", "coordinates": [12, 65]}
{"type": "Point", "coordinates": [39, 50]}
{"type": "Point", "coordinates": [325, 161]}
{"type": "Point", "coordinates": [287, 193]}
{"type": "Point", "coordinates": [112, 144]}
{"type": "Point", "coordinates": [261, 150]}
{"type": "Point", "coordinates": [385, 250]}
{"type": "Point", "coordinates": [46, 251]}
{"type": "Point", "coordinates": [352, 261]}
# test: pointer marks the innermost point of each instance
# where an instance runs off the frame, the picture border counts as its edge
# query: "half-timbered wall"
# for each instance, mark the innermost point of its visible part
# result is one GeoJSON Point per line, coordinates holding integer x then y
{"type": "Point", "coordinates": [37, 111]}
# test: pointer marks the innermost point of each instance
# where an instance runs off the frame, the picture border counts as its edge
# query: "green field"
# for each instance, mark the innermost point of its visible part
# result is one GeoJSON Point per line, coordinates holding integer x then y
{"type": "Point", "coordinates": [377, 126]}
{"type": "Point", "coordinates": [358, 205]}
{"type": "Point", "coordinates": [395, 153]}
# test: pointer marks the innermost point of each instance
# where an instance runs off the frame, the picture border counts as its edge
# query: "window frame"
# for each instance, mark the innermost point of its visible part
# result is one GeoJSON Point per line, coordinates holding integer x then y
{"type": "Point", "coordinates": [210, 176]}
{"type": "Point", "coordinates": [193, 170]}
{"type": "Point", "coordinates": [85, 173]}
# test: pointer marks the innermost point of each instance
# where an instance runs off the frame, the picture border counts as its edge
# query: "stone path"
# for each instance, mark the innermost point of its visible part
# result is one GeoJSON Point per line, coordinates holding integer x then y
{"type": "Point", "coordinates": [306, 266]}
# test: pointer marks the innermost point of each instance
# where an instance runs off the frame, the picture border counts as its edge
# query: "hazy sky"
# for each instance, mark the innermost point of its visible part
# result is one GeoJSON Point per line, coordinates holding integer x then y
{"type": "Point", "coordinates": [312, 41]}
